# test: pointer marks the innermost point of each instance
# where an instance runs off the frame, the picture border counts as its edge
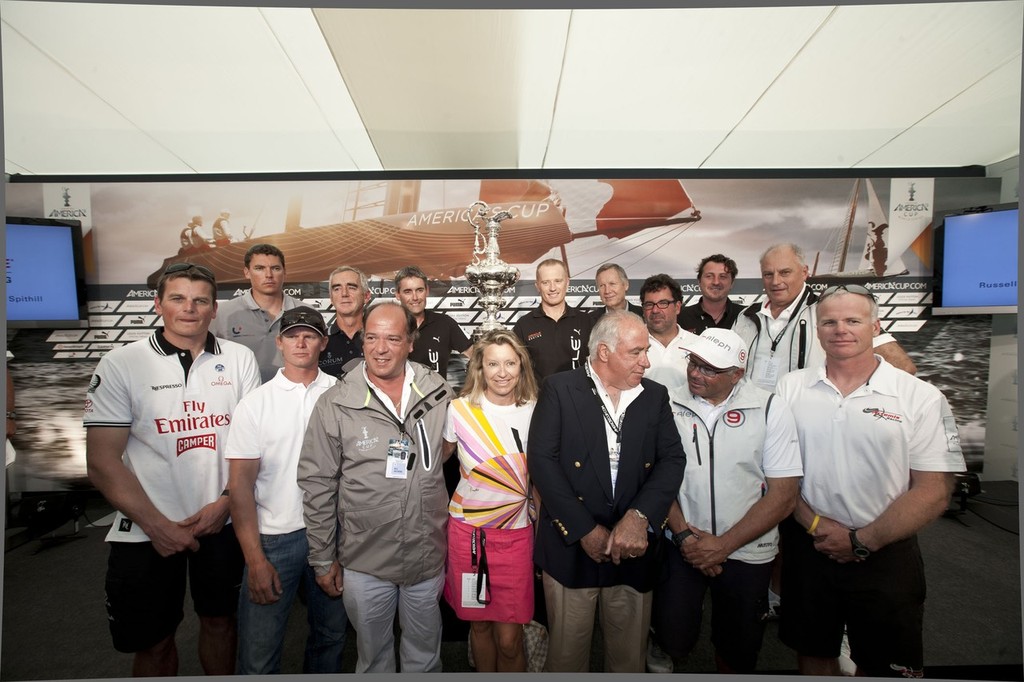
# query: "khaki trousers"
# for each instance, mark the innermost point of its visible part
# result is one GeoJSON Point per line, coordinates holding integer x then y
{"type": "Point", "coordinates": [625, 617]}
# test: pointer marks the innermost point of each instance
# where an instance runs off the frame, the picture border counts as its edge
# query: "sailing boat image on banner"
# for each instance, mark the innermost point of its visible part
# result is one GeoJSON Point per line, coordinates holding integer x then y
{"type": "Point", "coordinates": [395, 230]}
{"type": "Point", "coordinates": [887, 238]}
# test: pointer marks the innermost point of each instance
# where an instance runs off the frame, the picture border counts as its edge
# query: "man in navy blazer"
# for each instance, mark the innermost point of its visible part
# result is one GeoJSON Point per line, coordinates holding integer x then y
{"type": "Point", "coordinates": [606, 459]}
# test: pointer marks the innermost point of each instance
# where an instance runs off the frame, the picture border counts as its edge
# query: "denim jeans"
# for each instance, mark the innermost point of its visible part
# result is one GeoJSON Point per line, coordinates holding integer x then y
{"type": "Point", "coordinates": [261, 627]}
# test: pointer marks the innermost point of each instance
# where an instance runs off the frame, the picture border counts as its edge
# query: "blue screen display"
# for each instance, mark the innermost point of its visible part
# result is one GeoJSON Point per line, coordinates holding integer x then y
{"type": "Point", "coordinates": [980, 259]}
{"type": "Point", "coordinates": [41, 283]}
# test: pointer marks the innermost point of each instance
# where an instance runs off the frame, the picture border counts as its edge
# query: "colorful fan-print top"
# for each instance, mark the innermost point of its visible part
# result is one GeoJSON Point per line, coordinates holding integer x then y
{"type": "Point", "coordinates": [493, 490]}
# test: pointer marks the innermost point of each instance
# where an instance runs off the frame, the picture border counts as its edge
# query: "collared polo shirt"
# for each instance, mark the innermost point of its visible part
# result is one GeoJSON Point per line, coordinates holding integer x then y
{"type": "Point", "coordinates": [693, 319]}
{"type": "Point", "coordinates": [439, 337]}
{"type": "Point", "coordinates": [178, 411]}
{"type": "Point", "coordinates": [242, 320]}
{"type": "Point", "coordinates": [555, 345]}
{"type": "Point", "coordinates": [268, 425]}
{"type": "Point", "coordinates": [668, 363]}
{"type": "Point", "coordinates": [340, 350]}
{"type": "Point", "coordinates": [859, 449]}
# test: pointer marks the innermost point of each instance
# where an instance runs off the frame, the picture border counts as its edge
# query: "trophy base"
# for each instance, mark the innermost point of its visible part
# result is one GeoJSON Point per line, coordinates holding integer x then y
{"type": "Point", "coordinates": [486, 328]}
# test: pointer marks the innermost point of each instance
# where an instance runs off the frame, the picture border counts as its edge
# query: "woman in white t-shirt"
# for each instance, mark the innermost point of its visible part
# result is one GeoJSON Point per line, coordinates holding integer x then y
{"type": "Point", "coordinates": [489, 579]}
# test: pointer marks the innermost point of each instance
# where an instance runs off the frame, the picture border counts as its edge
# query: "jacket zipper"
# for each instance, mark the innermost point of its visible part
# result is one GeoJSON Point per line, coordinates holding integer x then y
{"type": "Point", "coordinates": [711, 467]}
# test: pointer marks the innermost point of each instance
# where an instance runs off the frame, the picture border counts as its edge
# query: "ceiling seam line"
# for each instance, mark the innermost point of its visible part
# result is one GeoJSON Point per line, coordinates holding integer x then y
{"type": "Point", "coordinates": [932, 112]}
{"type": "Point", "coordinates": [558, 89]}
{"type": "Point", "coordinates": [302, 80]}
{"type": "Point", "coordinates": [355, 104]}
{"type": "Point", "coordinates": [60, 65]}
{"type": "Point", "coordinates": [764, 92]}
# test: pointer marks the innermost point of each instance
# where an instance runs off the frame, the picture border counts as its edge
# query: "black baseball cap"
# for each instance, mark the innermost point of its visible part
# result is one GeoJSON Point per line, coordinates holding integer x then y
{"type": "Point", "coordinates": [303, 316]}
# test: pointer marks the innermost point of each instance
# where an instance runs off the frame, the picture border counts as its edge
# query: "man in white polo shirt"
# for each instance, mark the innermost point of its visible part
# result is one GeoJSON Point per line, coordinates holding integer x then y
{"type": "Point", "coordinates": [662, 298]}
{"type": "Point", "coordinates": [157, 413]}
{"type": "Point", "coordinates": [880, 448]}
{"type": "Point", "coordinates": [266, 507]}
{"type": "Point", "coordinates": [742, 478]}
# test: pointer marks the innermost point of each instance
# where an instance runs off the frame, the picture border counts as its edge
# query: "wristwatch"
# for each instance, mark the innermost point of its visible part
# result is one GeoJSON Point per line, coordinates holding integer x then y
{"type": "Point", "coordinates": [678, 538]}
{"type": "Point", "coordinates": [860, 550]}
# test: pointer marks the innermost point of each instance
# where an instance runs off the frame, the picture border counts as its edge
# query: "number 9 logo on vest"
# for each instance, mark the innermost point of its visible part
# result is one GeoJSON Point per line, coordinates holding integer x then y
{"type": "Point", "coordinates": [735, 418]}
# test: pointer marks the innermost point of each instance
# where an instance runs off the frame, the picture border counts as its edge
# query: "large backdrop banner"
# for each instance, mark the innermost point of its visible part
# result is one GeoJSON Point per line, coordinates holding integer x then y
{"type": "Point", "coordinates": [875, 231]}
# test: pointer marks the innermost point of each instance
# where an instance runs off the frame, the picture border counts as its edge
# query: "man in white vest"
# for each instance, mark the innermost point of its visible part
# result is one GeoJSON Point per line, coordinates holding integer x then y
{"type": "Point", "coordinates": [742, 478]}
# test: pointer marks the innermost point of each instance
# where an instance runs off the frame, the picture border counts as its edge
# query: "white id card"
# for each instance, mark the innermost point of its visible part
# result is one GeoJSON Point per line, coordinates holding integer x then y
{"type": "Point", "coordinates": [613, 464]}
{"type": "Point", "coordinates": [398, 459]}
{"type": "Point", "coordinates": [469, 600]}
{"type": "Point", "coordinates": [768, 372]}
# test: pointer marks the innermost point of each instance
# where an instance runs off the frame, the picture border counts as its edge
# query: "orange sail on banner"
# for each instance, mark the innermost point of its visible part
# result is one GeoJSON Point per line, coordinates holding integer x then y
{"type": "Point", "coordinates": [636, 204]}
{"type": "Point", "coordinates": [497, 192]}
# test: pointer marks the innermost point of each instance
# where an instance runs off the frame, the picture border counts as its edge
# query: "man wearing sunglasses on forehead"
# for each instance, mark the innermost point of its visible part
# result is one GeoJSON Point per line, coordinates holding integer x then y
{"type": "Point", "coordinates": [254, 318]}
{"type": "Point", "coordinates": [880, 448]}
{"type": "Point", "coordinates": [266, 507]}
{"type": "Point", "coordinates": [742, 477]}
{"type": "Point", "coordinates": [157, 414]}
{"type": "Point", "coordinates": [780, 331]}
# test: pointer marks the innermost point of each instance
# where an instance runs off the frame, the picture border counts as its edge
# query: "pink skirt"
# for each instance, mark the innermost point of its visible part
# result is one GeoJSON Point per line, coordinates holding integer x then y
{"type": "Point", "coordinates": [510, 572]}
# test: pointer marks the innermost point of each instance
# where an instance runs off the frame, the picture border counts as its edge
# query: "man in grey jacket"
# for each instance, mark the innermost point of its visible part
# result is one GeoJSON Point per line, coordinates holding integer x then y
{"type": "Point", "coordinates": [374, 497]}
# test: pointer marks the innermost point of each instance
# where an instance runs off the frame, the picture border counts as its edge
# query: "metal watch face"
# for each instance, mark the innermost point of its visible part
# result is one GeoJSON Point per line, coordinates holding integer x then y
{"type": "Point", "coordinates": [859, 550]}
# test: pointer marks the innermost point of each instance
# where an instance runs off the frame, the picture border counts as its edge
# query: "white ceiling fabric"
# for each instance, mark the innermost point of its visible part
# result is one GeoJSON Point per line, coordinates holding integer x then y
{"type": "Point", "coordinates": [96, 89]}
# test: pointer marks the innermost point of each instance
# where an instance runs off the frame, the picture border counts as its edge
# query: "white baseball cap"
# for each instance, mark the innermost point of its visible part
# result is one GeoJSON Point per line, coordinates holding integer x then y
{"type": "Point", "coordinates": [720, 348]}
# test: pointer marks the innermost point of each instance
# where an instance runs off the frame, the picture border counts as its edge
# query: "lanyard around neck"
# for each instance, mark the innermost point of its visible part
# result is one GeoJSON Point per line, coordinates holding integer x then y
{"type": "Point", "coordinates": [616, 428]}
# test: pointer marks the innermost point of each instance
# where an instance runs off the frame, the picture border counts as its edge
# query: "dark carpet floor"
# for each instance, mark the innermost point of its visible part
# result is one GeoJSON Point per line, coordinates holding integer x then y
{"type": "Point", "coordinates": [54, 622]}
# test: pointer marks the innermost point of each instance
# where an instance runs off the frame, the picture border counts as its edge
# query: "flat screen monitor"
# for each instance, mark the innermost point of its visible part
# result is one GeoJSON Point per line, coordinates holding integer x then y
{"type": "Point", "coordinates": [976, 261]}
{"type": "Point", "coordinates": [45, 274]}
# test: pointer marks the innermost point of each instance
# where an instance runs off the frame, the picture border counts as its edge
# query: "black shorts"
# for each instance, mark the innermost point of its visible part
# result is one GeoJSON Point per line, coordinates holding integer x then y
{"type": "Point", "coordinates": [146, 592]}
{"type": "Point", "coordinates": [739, 595]}
{"type": "Point", "coordinates": [879, 601]}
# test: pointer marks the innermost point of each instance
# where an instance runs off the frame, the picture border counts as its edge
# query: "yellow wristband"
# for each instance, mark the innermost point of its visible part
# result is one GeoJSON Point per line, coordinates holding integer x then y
{"type": "Point", "coordinates": [814, 524]}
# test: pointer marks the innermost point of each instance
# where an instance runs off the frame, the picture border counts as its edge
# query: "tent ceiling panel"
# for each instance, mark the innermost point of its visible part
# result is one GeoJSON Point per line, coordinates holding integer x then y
{"type": "Point", "coordinates": [663, 88]}
{"type": "Point", "coordinates": [871, 73]}
{"type": "Point", "coordinates": [442, 88]}
{"type": "Point", "coordinates": [952, 132]}
{"type": "Point", "coordinates": [66, 128]}
{"type": "Point", "coordinates": [94, 88]}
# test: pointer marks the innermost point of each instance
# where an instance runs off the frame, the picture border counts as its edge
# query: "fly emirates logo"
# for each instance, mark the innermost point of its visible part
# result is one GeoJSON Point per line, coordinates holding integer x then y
{"type": "Point", "coordinates": [194, 420]}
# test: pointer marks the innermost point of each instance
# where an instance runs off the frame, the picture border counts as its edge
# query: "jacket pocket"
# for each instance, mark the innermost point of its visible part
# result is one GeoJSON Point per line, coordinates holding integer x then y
{"type": "Point", "coordinates": [362, 520]}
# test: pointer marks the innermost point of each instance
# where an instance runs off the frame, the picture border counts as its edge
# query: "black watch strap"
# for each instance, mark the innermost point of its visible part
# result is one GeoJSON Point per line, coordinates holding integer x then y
{"type": "Point", "coordinates": [860, 550]}
{"type": "Point", "coordinates": [678, 538]}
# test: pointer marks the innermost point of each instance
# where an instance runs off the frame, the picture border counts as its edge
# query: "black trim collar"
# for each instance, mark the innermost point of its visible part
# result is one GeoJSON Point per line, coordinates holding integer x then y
{"type": "Point", "coordinates": [165, 347]}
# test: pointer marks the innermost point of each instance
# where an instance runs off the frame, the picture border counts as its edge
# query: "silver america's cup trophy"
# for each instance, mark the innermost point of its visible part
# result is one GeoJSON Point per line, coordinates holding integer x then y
{"type": "Point", "coordinates": [491, 276]}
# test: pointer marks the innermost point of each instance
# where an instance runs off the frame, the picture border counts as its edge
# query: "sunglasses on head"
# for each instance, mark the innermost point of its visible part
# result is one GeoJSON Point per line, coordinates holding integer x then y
{"type": "Point", "coordinates": [302, 317]}
{"type": "Point", "coordinates": [848, 288]}
{"type": "Point", "coordinates": [185, 267]}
